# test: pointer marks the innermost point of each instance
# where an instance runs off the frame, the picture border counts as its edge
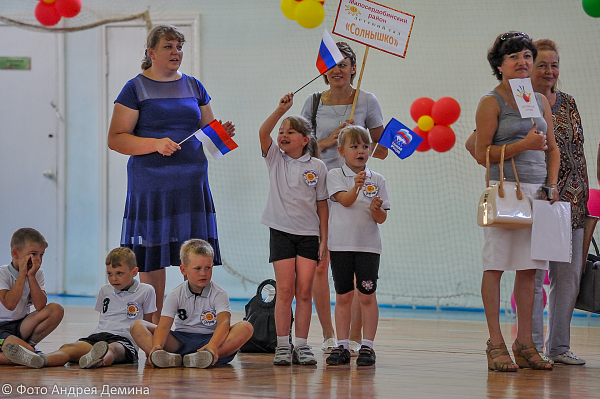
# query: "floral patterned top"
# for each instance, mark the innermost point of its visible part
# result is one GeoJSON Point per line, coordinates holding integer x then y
{"type": "Point", "coordinates": [572, 175]}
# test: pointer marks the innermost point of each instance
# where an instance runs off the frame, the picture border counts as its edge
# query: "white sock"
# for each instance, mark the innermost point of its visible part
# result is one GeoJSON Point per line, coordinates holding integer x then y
{"type": "Point", "coordinates": [283, 341]}
{"type": "Point", "coordinates": [345, 343]}
{"type": "Point", "coordinates": [367, 342]}
{"type": "Point", "coordinates": [301, 342]}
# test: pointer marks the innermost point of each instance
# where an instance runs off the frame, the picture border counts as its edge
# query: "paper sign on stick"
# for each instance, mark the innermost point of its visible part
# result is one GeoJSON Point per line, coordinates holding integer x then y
{"type": "Point", "coordinates": [374, 25]}
{"type": "Point", "coordinates": [523, 92]}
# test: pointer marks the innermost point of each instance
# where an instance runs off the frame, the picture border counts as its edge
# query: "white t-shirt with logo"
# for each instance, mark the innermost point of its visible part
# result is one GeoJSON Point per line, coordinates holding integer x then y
{"type": "Point", "coordinates": [119, 309]}
{"type": "Point", "coordinates": [295, 186]}
{"type": "Point", "coordinates": [8, 277]}
{"type": "Point", "coordinates": [196, 313]}
{"type": "Point", "coordinates": [353, 228]}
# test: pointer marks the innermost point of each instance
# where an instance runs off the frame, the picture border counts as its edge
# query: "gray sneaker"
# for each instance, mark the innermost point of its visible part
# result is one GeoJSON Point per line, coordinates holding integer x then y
{"type": "Point", "coordinates": [23, 356]}
{"type": "Point", "coordinates": [163, 359]}
{"type": "Point", "coordinates": [200, 360]}
{"type": "Point", "coordinates": [283, 356]}
{"type": "Point", "coordinates": [94, 357]}
{"type": "Point", "coordinates": [566, 358]}
{"type": "Point", "coordinates": [303, 355]}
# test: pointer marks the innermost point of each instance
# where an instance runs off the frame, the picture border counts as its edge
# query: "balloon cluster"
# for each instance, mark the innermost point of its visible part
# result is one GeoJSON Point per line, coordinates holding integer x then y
{"type": "Point", "coordinates": [592, 8]}
{"type": "Point", "coordinates": [434, 119]}
{"type": "Point", "coordinates": [49, 12]}
{"type": "Point", "coordinates": [308, 13]}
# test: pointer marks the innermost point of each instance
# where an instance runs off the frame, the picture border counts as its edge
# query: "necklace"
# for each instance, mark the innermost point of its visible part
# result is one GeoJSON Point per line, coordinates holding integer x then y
{"type": "Point", "coordinates": [343, 113]}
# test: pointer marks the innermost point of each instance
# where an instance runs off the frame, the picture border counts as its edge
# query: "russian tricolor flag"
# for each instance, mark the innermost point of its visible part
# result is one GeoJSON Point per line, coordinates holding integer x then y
{"type": "Point", "coordinates": [329, 54]}
{"type": "Point", "coordinates": [216, 139]}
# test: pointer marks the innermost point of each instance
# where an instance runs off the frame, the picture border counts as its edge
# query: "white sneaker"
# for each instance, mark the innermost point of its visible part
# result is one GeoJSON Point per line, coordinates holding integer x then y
{"type": "Point", "coordinates": [94, 357]}
{"type": "Point", "coordinates": [328, 345]}
{"type": "Point", "coordinates": [19, 355]}
{"type": "Point", "coordinates": [163, 359]}
{"type": "Point", "coordinates": [354, 348]}
{"type": "Point", "coordinates": [568, 358]}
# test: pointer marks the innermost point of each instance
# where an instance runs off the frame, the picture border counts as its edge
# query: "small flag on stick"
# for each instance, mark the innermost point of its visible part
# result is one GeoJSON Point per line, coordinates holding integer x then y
{"type": "Point", "coordinates": [400, 139]}
{"type": "Point", "coordinates": [329, 54]}
{"type": "Point", "coordinates": [215, 139]}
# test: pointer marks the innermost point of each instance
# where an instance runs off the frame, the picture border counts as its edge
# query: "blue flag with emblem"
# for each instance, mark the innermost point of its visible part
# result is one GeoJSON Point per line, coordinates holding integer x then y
{"type": "Point", "coordinates": [400, 139]}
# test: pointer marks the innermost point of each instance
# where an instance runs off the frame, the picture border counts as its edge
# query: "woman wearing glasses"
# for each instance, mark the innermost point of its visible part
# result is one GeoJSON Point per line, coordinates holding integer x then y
{"type": "Point", "coordinates": [329, 112]}
{"type": "Point", "coordinates": [537, 160]}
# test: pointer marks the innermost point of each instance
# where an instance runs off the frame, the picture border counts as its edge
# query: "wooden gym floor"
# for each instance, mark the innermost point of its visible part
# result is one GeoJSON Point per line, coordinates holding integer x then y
{"type": "Point", "coordinates": [416, 358]}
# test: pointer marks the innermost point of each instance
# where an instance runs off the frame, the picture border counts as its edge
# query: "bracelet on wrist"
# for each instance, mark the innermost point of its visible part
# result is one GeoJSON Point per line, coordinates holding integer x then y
{"type": "Point", "coordinates": [553, 184]}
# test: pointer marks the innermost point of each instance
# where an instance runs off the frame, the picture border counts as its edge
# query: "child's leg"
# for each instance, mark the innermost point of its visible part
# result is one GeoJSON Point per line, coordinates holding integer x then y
{"type": "Point", "coordinates": [321, 299]}
{"type": "Point", "coordinates": [142, 332]}
{"type": "Point", "coordinates": [305, 272]}
{"type": "Point", "coordinates": [343, 310]}
{"type": "Point", "coordinates": [115, 354]}
{"type": "Point", "coordinates": [38, 325]}
{"type": "Point", "coordinates": [285, 276]}
{"type": "Point", "coordinates": [356, 322]}
{"type": "Point", "coordinates": [68, 353]}
{"type": "Point", "coordinates": [239, 334]}
{"type": "Point", "coordinates": [370, 315]}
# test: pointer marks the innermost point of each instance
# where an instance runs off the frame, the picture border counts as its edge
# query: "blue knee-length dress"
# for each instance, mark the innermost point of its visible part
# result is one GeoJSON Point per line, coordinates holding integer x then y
{"type": "Point", "coordinates": [168, 198]}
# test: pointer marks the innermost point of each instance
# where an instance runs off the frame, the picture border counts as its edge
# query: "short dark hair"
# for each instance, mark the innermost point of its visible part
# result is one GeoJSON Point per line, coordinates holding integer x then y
{"type": "Point", "coordinates": [508, 43]}
{"type": "Point", "coordinates": [27, 235]}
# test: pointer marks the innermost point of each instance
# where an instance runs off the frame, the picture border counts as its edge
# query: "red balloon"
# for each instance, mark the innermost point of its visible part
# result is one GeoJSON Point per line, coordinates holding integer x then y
{"type": "Point", "coordinates": [441, 138]}
{"type": "Point", "coordinates": [421, 106]}
{"type": "Point", "coordinates": [424, 146]}
{"type": "Point", "coordinates": [46, 14]}
{"type": "Point", "coordinates": [68, 8]}
{"type": "Point", "coordinates": [445, 111]}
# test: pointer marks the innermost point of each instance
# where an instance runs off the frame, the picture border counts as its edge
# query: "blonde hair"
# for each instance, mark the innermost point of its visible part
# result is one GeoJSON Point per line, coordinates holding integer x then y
{"type": "Point", "coordinates": [169, 32]}
{"type": "Point", "coordinates": [353, 134]}
{"type": "Point", "coordinates": [548, 45]}
{"type": "Point", "coordinates": [302, 126]}
{"type": "Point", "coordinates": [27, 235]}
{"type": "Point", "coordinates": [121, 256]}
{"type": "Point", "coordinates": [195, 246]}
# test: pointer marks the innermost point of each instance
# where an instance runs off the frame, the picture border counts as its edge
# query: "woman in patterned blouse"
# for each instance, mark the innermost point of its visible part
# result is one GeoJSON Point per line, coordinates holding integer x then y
{"type": "Point", "coordinates": [573, 188]}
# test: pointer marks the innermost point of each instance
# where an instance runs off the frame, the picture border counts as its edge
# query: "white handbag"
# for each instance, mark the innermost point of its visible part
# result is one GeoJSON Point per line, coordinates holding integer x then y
{"type": "Point", "coordinates": [503, 204]}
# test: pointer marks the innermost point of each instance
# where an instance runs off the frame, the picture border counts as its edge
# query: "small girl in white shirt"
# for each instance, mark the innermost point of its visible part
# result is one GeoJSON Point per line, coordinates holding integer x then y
{"type": "Point", "coordinates": [296, 214]}
{"type": "Point", "coordinates": [359, 203]}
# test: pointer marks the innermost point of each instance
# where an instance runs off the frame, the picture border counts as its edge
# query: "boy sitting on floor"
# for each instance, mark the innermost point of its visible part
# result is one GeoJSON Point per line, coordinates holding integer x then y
{"type": "Point", "coordinates": [22, 285]}
{"type": "Point", "coordinates": [120, 303]}
{"type": "Point", "coordinates": [200, 309]}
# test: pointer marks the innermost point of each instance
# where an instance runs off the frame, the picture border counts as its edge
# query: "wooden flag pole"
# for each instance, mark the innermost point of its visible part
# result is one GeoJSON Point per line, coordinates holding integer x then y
{"type": "Point", "coordinates": [359, 80]}
{"type": "Point", "coordinates": [362, 69]}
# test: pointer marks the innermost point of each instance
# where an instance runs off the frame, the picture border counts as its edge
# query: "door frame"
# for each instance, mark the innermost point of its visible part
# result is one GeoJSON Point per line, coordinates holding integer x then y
{"type": "Point", "coordinates": [60, 154]}
{"type": "Point", "coordinates": [192, 20]}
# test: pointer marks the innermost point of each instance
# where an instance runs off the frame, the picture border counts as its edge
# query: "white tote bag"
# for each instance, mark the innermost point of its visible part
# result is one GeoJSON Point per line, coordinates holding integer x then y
{"type": "Point", "coordinates": [551, 231]}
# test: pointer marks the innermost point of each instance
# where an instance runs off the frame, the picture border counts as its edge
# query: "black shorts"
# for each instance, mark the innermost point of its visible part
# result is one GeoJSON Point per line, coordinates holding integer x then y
{"type": "Point", "coordinates": [131, 354]}
{"type": "Point", "coordinates": [287, 246]}
{"type": "Point", "coordinates": [8, 328]}
{"type": "Point", "coordinates": [345, 265]}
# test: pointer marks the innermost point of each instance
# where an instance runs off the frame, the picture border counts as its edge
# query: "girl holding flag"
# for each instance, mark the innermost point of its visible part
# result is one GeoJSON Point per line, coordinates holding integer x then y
{"type": "Point", "coordinates": [329, 112]}
{"type": "Point", "coordinates": [168, 197]}
{"type": "Point", "coordinates": [296, 214]}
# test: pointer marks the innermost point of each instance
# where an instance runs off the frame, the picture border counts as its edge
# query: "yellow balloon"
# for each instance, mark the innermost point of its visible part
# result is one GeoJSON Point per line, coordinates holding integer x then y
{"type": "Point", "coordinates": [49, 1]}
{"type": "Point", "coordinates": [426, 123]}
{"type": "Point", "coordinates": [288, 7]}
{"type": "Point", "coordinates": [310, 14]}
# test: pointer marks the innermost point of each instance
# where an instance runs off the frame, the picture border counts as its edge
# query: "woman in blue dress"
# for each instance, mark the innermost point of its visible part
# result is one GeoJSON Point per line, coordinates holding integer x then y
{"type": "Point", "coordinates": [168, 197]}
